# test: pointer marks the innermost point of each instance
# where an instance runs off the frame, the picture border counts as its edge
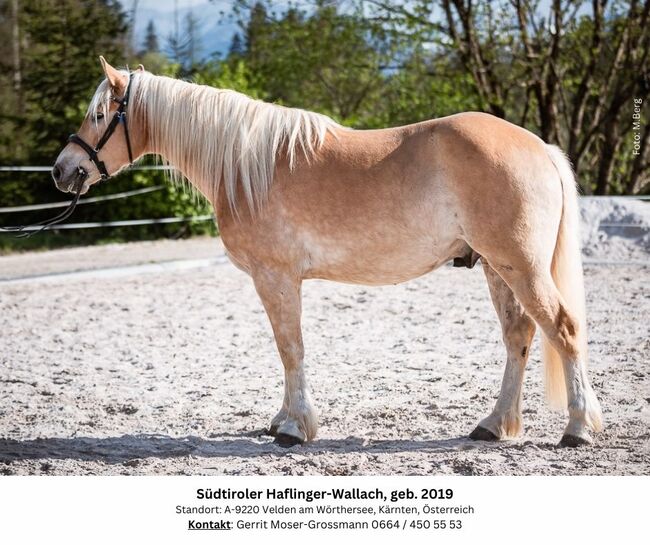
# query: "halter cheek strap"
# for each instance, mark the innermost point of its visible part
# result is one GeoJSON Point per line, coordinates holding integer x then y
{"type": "Point", "coordinates": [119, 117]}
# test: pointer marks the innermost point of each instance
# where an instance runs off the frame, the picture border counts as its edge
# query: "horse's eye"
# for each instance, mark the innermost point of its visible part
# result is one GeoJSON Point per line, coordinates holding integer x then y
{"type": "Point", "coordinates": [99, 116]}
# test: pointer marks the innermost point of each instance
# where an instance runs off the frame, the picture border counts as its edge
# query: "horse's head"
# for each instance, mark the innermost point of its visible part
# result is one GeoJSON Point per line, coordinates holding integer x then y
{"type": "Point", "coordinates": [107, 140]}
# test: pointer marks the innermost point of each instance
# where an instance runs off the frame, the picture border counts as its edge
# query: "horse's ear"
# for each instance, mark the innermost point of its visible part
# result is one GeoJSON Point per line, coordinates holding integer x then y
{"type": "Point", "coordinates": [116, 79]}
{"type": "Point", "coordinates": [141, 67]}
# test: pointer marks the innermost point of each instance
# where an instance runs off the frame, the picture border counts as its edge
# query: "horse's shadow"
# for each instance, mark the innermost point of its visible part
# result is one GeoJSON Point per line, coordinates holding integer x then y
{"type": "Point", "coordinates": [117, 450]}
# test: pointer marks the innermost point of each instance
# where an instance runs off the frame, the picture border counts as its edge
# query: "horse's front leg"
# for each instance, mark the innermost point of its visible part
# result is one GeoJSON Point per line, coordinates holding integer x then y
{"type": "Point", "coordinates": [518, 331]}
{"type": "Point", "coordinates": [297, 421]}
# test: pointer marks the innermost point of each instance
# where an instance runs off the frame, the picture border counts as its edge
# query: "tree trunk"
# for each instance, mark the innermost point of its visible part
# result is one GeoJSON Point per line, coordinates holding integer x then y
{"type": "Point", "coordinates": [607, 157]}
{"type": "Point", "coordinates": [15, 50]}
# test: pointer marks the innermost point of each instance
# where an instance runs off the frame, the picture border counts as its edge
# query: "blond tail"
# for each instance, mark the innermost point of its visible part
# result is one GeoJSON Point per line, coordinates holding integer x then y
{"type": "Point", "coordinates": [566, 269]}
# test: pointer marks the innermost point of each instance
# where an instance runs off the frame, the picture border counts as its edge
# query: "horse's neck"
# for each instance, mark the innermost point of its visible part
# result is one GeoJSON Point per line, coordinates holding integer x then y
{"type": "Point", "coordinates": [167, 134]}
{"type": "Point", "coordinates": [221, 139]}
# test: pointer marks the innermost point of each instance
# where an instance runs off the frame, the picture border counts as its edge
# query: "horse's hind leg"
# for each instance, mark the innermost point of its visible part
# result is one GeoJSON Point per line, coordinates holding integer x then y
{"type": "Point", "coordinates": [518, 331]}
{"type": "Point", "coordinates": [297, 420]}
{"type": "Point", "coordinates": [537, 292]}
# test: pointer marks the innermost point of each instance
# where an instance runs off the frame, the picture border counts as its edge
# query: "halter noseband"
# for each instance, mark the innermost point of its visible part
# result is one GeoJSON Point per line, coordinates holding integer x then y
{"type": "Point", "coordinates": [119, 117]}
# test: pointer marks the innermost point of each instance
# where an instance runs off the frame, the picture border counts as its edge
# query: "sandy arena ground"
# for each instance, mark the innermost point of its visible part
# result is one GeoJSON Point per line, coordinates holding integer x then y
{"type": "Point", "coordinates": [171, 370]}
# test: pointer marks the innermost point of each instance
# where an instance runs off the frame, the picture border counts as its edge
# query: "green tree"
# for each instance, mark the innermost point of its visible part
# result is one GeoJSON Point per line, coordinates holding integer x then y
{"type": "Point", "coordinates": [150, 39]}
{"type": "Point", "coordinates": [184, 47]}
{"type": "Point", "coordinates": [236, 46]}
{"type": "Point", "coordinates": [61, 68]}
{"type": "Point", "coordinates": [321, 59]}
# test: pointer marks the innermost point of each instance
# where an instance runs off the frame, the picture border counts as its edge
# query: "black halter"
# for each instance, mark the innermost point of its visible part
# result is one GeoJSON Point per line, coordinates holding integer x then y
{"type": "Point", "coordinates": [119, 117]}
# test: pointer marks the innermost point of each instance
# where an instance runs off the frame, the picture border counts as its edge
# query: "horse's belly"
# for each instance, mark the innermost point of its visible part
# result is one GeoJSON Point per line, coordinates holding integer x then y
{"type": "Point", "coordinates": [379, 264]}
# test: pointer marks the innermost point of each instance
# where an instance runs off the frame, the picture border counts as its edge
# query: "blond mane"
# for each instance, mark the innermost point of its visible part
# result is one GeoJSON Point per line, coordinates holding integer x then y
{"type": "Point", "coordinates": [213, 136]}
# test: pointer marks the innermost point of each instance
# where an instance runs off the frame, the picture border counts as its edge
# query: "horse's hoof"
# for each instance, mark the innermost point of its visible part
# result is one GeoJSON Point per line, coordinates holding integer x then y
{"type": "Point", "coordinates": [482, 434]}
{"type": "Point", "coordinates": [287, 441]}
{"type": "Point", "coordinates": [272, 431]}
{"type": "Point", "coordinates": [573, 441]}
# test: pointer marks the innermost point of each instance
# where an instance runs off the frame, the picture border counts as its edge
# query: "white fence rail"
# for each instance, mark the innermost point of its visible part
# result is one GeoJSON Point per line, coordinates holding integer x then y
{"type": "Point", "coordinates": [18, 168]}
{"type": "Point", "coordinates": [63, 204]}
{"type": "Point", "coordinates": [120, 223]}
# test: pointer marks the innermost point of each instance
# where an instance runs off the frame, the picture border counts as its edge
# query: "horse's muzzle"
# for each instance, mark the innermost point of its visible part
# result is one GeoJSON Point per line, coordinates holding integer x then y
{"type": "Point", "coordinates": [66, 177]}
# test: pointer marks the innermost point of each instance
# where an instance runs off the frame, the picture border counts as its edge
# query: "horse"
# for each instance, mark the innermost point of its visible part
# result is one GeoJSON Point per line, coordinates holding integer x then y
{"type": "Point", "coordinates": [298, 196]}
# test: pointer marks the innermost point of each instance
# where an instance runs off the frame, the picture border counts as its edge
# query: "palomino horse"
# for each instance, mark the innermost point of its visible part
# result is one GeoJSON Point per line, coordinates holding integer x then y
{"type": "Point", "coordinates": [298, 196]}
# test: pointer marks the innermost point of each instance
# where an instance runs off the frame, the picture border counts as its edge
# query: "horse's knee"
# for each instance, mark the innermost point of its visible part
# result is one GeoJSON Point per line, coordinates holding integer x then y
{"type": "Point", "coordinates": [292, 351]}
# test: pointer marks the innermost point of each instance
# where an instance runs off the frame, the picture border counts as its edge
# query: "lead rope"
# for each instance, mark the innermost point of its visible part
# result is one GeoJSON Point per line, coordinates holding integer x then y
{"type": "Point", "coordinates": [52, 221]}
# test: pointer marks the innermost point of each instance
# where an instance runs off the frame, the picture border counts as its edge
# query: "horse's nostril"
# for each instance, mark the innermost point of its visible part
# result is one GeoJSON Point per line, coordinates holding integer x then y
{"type": "Point", "coordinates": [56, 173]}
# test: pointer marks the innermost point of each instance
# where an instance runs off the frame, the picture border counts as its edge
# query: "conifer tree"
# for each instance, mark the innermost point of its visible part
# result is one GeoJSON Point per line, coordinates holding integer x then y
{"type": "Point", "coordinates": [151, 38]}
